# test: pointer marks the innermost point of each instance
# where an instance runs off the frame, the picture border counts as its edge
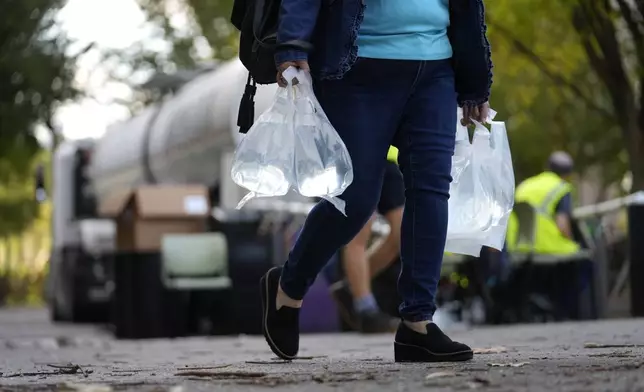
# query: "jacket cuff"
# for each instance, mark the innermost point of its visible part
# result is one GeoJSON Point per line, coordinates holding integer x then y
{"type": "Point", "coordinates": [284, 56]}
{"type": "Point", "coordinates": [472, 100]}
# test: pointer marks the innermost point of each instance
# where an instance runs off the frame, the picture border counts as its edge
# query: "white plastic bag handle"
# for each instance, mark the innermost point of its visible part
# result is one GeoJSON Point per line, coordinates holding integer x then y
{"type": "Point", "coordinates": [462, 133]}
{"type": "Point", "coordinates": [292, 74]}
{"type": "Point", "coordinates": [490, 117]}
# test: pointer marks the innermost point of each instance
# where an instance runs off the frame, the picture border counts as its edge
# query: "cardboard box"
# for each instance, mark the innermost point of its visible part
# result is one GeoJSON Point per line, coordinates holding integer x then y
{"type": "Point", "coordinates": [145, 214]}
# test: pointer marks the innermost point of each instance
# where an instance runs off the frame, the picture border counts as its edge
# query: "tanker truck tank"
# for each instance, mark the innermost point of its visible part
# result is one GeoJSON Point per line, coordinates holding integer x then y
{"type": "Point", "coordinates": [180, 140]}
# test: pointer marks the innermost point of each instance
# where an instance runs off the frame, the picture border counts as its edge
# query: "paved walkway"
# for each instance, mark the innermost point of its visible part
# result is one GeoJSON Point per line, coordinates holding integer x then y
{"type": "Point", "coordinates": [594, 356]}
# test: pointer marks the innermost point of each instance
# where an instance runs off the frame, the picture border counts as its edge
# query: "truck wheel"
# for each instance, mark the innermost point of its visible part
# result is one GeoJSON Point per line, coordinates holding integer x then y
{"type": "Point", "coordinates": [54, 313]}
{"type": "Point", "coordinates": [61, 304]}
{"type": "Point", "coordinates": [74, 313]}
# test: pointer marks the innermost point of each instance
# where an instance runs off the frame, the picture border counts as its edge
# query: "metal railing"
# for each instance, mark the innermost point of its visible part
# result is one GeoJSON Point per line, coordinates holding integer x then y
{"type": "Point", "coordinates": [381, 227]}
{"type": "Point", "coordinates": [609, 206]}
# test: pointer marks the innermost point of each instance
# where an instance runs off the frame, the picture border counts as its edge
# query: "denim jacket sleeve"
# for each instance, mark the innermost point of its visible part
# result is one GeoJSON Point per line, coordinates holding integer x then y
{"type": "Point", "coordinates": [296, 23]}
{"type": "Point", "coordinates": [472, 56]}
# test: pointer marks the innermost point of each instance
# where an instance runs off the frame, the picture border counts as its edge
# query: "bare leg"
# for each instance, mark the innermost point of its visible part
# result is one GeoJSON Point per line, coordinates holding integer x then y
{"type": "Point", "coordinates": [385, 252]}
{"type": "Point", "coordinates": [355, 264]}
{"type": "Point", "coordinates": [357, 302]}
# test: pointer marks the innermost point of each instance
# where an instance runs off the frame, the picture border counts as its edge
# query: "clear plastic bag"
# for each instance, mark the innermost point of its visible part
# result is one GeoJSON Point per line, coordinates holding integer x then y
{"type": "Point", "coordinates": [263, 161]}
{"type": "Point", "coordinates": [500, 171]}
{"type": "Point", "coordinates": [482, 189]}
{"type": "Point", "coordinates": [293, 146]}
{"type": "Point", "coordinates": [322, 163]}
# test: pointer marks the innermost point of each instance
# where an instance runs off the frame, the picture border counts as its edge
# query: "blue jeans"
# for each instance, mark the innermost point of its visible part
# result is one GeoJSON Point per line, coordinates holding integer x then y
{"type": "Point", "coordinates": [411, 104]}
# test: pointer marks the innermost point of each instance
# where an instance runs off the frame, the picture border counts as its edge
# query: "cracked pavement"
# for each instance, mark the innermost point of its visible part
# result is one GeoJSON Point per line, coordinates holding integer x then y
{"type": "Point", "coordinates": [36, 355]}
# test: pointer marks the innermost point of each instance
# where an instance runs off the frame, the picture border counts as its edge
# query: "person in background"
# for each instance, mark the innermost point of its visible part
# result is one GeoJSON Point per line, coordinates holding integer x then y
{"type": "Point", "coordinates": [550, 194]}
{"type": "Point", "coordinates": [385, 72]}
{"type": "Point", "coordinates": [557, 286]}
{"type": "Point", "coordinates": [357, 304]}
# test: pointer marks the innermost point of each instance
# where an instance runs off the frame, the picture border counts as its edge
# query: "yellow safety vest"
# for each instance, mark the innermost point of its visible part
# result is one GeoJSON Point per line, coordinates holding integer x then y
{"type": "Point", "coordinates": [392, 154]}
{"type": "Point", "coordinates": [542, 192]}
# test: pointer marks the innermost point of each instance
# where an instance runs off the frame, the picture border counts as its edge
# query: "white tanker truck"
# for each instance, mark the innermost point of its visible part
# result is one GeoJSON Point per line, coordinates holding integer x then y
{"type": "Point", "coordinates": [183, 140]}
{"type": "Point", "coordinates": [187, 138]}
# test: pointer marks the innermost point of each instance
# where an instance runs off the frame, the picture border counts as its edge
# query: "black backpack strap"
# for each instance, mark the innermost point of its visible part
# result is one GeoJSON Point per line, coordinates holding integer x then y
{"type": "Point", "coordinates": [246, 114]}
{"type": "Point", "coordinates": [240, 7]}
{"type": "Point", "coordinates": [258, 18]}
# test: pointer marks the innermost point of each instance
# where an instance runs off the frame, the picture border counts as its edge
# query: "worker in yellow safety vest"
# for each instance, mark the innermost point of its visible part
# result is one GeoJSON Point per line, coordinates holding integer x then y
{"type": "Point", "coordinates": [353, 294]}
{"type": "Point", "coordinates": [550, 195]}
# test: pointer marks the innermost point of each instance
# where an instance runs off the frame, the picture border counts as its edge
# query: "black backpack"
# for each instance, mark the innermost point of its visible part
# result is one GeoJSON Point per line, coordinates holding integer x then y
{"type": "Point", "coordinates": [257, 21]}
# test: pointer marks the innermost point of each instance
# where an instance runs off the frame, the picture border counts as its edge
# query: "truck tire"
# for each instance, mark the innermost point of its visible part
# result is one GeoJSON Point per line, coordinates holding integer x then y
{"type": "Point", "coordinates": [64, 305]}
{"type": "Point", "coordinates": [54, 313]}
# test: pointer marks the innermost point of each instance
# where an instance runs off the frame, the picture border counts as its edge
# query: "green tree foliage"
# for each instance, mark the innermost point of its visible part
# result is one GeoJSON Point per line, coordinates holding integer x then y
{"type": "Point", "coordinates": [207, 24]}
{"type": "Point", "coordinates": [197, 34]}
{"type": "Point", "coordinates": [213, 17]}
{"type": "Point", "coordinates": [25, 247]}
{"type": "Point", "coordinates": [36, 75]}
{"type": "Point", "coordinates": [570, 68]}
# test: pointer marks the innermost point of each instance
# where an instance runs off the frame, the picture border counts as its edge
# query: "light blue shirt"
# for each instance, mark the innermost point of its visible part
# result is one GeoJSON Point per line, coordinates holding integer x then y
{"type": "Point", "coordinates": [405, 30]}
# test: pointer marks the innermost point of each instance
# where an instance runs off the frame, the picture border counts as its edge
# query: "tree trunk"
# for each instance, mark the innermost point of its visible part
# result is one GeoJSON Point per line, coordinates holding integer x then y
{"type": "Point", "coordinates": [628, 117]}
{"type": "Point", "coordinates": [636, 155]}
{"type": "Point", "coordinates": [593, 21]}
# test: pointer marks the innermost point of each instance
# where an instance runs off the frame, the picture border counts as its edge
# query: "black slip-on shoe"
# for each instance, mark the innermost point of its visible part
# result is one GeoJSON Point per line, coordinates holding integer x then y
{"type": "Point", "coordinates": [411, 346]}
{"type": "Point", "coordinates": [281, 327]}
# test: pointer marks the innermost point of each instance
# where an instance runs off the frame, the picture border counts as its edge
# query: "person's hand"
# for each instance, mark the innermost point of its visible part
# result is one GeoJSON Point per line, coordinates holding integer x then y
{"type": "Point", "coordinates": [478, 113]}
{"type": "Point", "coordinates": [300, 64]}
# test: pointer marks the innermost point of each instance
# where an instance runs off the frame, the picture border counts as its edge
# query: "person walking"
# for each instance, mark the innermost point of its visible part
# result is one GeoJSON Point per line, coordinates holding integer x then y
{"type": "Point", "coordinates": [386, 72]}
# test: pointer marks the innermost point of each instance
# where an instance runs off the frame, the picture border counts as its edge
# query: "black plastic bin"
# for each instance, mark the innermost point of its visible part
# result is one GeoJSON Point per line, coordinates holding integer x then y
{"type": "Point", "coordinates": [636, 255]}
{"type": "Point", "coordinates": [250, 255]}
{"type": "Point", "coordinates": [141, 307]}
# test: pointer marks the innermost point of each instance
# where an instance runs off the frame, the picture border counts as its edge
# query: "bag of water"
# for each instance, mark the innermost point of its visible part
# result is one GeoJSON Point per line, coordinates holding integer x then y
{"type": "Point", "coordinates": [482, 189]}
{"type": "Point", "coordinates": [293, 146]}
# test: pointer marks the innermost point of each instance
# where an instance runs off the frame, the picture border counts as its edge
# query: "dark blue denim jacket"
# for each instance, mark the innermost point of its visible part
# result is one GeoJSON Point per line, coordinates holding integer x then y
{"type": "Point", "coordinates": [331, 26]}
